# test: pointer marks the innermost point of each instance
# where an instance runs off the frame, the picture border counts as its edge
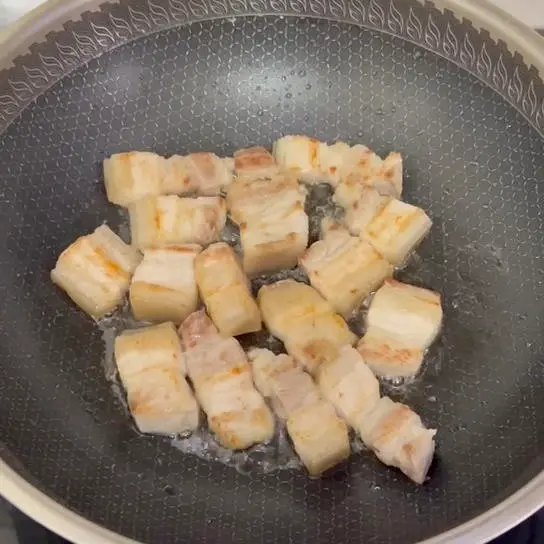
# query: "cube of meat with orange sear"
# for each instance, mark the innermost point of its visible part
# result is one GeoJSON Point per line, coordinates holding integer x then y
{"type": "Point", "coordinates": [163, 287]}
{"type": "Point", "coordinates": [221, 376]}
{"type": "Point", "coordinates": [225, 290]}
{"type": "Point", "coordinates": [152, 370]}
{"type": "Point", "coordinates": [95, 271]}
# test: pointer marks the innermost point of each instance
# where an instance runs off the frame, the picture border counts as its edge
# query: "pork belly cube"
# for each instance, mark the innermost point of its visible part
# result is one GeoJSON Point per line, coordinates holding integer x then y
{"type": "Point", "coordinates": [151, 367]}
{"type": "Point", "coordinates": [399, 439]}
{"type": "Point", "coordinates": [133, 175]}
{"type": "Point", "coordinates": [167, 220]}
{"type": "Point", "coordinates": [272, 220]}
{"type": "Point", "coordinates": [163, 287]}
{"type": "Point", "coordinates": [95, 271]}
{"type": "Point", "coordinates": [397, 230]}
{"type": "Point", "coordinates": [221, 376]}
{"type": "Point", "coordinates": [344, 269]}
{"type": "Point", "coordinates": [225, 290]}
{"type": "Point", "coordinates": [411, 314]}
{"type": "Point", "coordinates": [402, 322]}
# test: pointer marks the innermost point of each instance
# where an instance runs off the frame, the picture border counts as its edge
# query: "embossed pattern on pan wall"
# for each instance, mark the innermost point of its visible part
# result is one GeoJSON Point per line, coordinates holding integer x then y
{"type": "Point", "coordinates": [116, 24]}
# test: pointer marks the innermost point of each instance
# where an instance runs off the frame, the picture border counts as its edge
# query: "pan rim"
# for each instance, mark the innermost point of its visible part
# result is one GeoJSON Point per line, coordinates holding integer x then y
{"type": "Point", "coordinates": [75, 527]}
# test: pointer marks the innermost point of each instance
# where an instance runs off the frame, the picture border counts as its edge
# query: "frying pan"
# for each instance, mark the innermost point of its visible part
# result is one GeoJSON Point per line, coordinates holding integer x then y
{"type": "Point", "coordinates": [456, 86]}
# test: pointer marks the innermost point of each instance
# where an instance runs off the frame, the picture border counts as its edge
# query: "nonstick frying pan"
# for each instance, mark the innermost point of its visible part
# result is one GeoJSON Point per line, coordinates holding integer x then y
{"type": "Point", "coordinates": [456, 86]}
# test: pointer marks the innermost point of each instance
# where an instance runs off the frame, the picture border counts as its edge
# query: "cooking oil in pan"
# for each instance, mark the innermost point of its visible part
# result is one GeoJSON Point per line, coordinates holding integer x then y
{"type": "Point", "coordinates": [277, 454]}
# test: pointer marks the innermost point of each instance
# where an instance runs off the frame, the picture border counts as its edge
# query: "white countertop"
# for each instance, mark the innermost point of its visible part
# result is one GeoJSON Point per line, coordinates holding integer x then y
{"type": "Point", "coordinates": [531, 12]}
{"type": "Point", "coordinates": [528, 11]}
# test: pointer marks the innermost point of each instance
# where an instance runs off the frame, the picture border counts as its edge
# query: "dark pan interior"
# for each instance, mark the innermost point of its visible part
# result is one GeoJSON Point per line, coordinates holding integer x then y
{"type": "Point", "coordinates": [471, 160]}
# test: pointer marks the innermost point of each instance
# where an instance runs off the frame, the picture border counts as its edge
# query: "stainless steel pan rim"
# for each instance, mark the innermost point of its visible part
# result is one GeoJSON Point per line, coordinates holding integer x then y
{"type": "Point", "coordinates": [76, 528]}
